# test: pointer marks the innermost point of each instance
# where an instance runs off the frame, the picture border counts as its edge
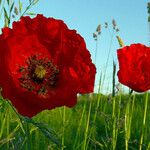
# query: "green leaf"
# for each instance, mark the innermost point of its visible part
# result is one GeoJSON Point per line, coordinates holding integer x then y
{"type": "Point", "coordinates": [8, 2]}
{"type": "Point", "coordinates": [35, 1]}
{"type": "Point", "coordinates": [0, 2]}
{"type": "Point", "coordinates": [50, 134]}
{"type": "Point", "coordinates": [9, 137]}
{"type": "Point", "coordinates": [30, 1]}
{"type": "Point", "coordinates": [31, 13]}
{"type": "Point", "coordinates": [6, 18]}
{"type": "Point", "coordinates": [2, 104]}
{"type": "Point", "coordinates": [148, 18]}
{"type": "Point", "coordinates": [5, 14]}
{"type": "Point", "coordinates": [2, 126]}
{"type": "Point", "coordinates": [12, 6]}
{"type": "Point", "coordinates": [20, 6]}
{"type": "Point", "coordinates": [21, 126]}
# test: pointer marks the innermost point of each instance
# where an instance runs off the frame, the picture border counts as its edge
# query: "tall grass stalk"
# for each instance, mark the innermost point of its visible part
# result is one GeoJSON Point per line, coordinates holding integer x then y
{"type": "Point", "coordinates": [85, 146]}
{"type": "Point", "coordinates": [128, 119]}
{"type": "Point", "coordinates": [115, 129]}
{"type": "Point", "coordinates": [7, 125]}
{"type": "Point", "coordinates": [148, 146]}
{"type": "Point", "coordinates": [79, 127]}
{"type": "Point", "coordinates": [115, 120]}
{"type": "Point", "coordinates": [109, 51]}
{"type": "Point", "coordinates": [19, 117]}
{"type": "Point", "coordinates": [144, 121]}
{"type": "Point", "coordinates": [28, 139]}
{"type": "Point", "coordinates": [3, 120]}
{"type": "Point", "coordinates": [98, 97]}
{"type": "Point", "coordinates": [114, 124]}
{"type": "Point", "coordinates": [113, 79]}
{"type": "Point", "coordinates": [63, 128]}
{"type": "Point", "coordinates": [96, 50]}
{"type": "Point", "coordinates": [118, 118]}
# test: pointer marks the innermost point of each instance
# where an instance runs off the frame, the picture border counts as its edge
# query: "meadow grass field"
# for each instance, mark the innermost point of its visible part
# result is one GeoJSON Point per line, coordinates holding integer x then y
{"type": "Point", "coordinates": [97, 122]}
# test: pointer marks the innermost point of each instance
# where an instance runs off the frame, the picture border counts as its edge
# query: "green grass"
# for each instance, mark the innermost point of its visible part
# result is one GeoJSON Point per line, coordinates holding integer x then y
{"type": "Point", "coordinates": [97, 122]}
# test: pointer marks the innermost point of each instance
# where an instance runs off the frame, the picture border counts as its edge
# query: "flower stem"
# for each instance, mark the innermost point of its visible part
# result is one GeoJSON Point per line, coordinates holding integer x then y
{"type": "Point", "coordinates": [28, 136]}
{"type": "Point", "coordinates": [113, 79]}
{"type": "Point", "coordinates": [144, 121]}
{"type": "Point", "coordinates": [18, 115]}
{"type": "Point", "coordinates": [128, 119]}
{"type": "Point", "coordinates": [114, 124]}
{"type": "Point", "coordinates": [87, 127]}
{"type": "Point", "coordinates": [63, 136]}
{"type": "Point", "coordinates": [25, 126]}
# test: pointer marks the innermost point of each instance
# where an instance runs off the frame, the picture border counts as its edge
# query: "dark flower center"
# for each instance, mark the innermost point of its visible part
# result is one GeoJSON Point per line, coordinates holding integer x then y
{"type": "Point", "coordinates": [39, 75]}
{"type": "Point", "coordinates": [40, 72]}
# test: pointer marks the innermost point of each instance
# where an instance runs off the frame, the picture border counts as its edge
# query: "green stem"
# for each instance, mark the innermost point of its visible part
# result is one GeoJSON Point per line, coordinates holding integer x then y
{"type": "Point", "coordinates": [25, 127]}
{"type": "Point", "coordinates": [18, 115]}
{"type": "Point", "coordinates": [8, 125]}
{"type": "Point", "coordinates": [27, 8]}
{"type": "Point", "coordinates": [79, 127]}
{"type": "Point", "coordinates": [113, 79]}
{"type": "Point", "coordinates": [63, 136]}
{"type": "Point", "coordinates": [107, 60]}
{"type": "Point", "coordinates": [128, 119]}
{"type": "Point", "coordinates": [98, 98]}
{"type": "Point", "coordinates": [114, 124]}
{"type": "Point", "coordinates": [87, 127]}
{"type": "Point", "coordinates": [144, 121]}
{"type": "Point", "coordinates": [96, 50]}
{"type": "Point", "coordinates": [126, 138]}
{"type": "Point", "coordinates": [118, 118]}
{"type": "Point", "coordinates": [28, 136]}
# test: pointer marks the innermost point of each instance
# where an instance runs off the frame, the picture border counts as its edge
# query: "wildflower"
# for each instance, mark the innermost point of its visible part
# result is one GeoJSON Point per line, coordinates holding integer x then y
{"type": "Point", "coordinates": [134, 70]}
{"type": "Point", "coordinates": [43, 65]}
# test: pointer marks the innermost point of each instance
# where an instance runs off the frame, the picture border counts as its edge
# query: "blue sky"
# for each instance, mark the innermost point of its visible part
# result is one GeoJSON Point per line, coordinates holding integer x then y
{"type": "Point", "coordinates": [85, 15]}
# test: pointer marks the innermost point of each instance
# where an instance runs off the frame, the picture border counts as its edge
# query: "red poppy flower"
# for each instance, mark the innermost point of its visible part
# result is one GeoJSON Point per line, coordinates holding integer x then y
{"type": "Point", "coordinates": [134, 65]}
{"type": "Point", "coordinates": [43, 65]}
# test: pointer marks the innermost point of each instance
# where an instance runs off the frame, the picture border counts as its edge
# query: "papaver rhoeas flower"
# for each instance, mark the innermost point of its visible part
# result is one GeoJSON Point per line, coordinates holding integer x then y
{"type": "Point", "coordinates": [43, 65]}
{"type": "Point", "coordinates": [134, 67]}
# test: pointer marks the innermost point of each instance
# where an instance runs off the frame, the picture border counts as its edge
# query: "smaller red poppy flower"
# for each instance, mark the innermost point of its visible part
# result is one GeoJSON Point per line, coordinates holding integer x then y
{"type": "Point", "coordinates": [134, 67]}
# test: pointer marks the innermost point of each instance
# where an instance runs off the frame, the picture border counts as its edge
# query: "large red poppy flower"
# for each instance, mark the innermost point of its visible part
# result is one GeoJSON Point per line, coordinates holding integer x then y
{"type": "Point", "coordinates": [43, 65]}
{"type": "Point", "coordinates": [134, 67]}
